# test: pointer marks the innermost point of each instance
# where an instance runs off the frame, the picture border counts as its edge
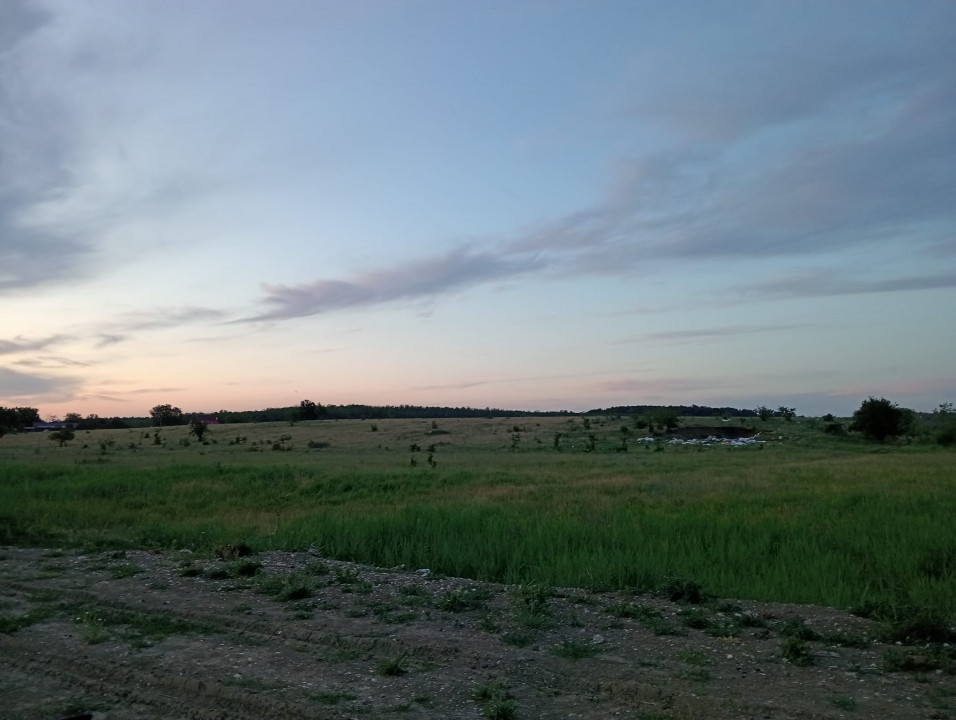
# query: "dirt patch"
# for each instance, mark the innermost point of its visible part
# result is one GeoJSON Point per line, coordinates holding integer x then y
{"type": "Point", "coordinates": [293, 635]}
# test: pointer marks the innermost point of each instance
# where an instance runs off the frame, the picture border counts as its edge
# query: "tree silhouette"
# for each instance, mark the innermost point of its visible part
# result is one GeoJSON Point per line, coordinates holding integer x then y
{"type": "Point", "coordinates": [198, 428]}
{"type": "Point", "coordinates": [166, 415]}
{"type": "Point", "coordinates": [879, 419]}
{"type": "Point", "coordinates": [309, 410]}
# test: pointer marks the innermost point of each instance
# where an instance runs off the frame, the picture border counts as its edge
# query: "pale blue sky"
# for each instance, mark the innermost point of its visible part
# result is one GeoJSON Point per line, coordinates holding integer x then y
{"type": "Point", "coordinates": [542, 205]}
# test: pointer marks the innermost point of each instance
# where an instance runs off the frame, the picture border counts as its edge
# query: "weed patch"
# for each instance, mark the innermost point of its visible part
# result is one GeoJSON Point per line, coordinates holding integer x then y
{"type": "Point", "coordinates": [632, 610]}
{"type": "Point", "coordinates": [796, 651]}
{"type": "Point", "coordinates": [929, 659]}
{"type": "Point", "coordinates": [530, 604]}
{"type": "Point", "coordinates": [694, 657]}
{"type": "Point", "coordinates": [334, 697]}
{"type": "Point", "coordinates": [918, 626]}
{"type": "Point", "coordinates": [575, 649]}
{"type": "Point", "coordinates": [9, 624]}
{"type": "Point", "coordinates": [294, 586]}
{"type": "Point", "coordinates": [797, 628]}
{"type": "Point", "coordinates": [518, 637]}
{"type": "Point", "coordinates": [496, 701]}
{"type": "Point", "coordinates": [125, 570]}
{"type": "Point", "coordinates": [844, 702]}
{"type": "Point", "coordinates": [463, 600]}
{"type": "Point", "coordinates": [393, 667]}
{"type": "Point", "coordinates": [682, 590]}
{"type": "Point", "coordinates": [92, 627]}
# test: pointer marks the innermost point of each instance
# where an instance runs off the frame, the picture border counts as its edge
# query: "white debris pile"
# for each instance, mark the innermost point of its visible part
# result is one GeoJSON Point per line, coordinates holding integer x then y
{"type": "Point", "coordinates": [709, 441]}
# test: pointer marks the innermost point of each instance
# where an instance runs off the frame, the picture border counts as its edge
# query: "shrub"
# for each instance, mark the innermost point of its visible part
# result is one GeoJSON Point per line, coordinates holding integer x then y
{"type": "Point", "coordinates": [947, 434]}
{"type": "Point", "coordinates": [835, 428]}
{"type": "Point", "coordinates": [796, 651]}
{"type": "Point", "coordinates": [198, 428]}
{"type": "Point", "coordinates": [879, 419]}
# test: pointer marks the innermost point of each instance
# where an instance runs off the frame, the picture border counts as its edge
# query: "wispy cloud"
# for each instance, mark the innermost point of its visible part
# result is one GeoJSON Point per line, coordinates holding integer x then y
{"type": "Point", "coordinates": [822, 283]}
{"type": "Point", "coordinates": [101, 396]}
{"type": "Point", "coordinates": [123, 327]}
{"type": "Point", "coordinates": [162, 318]}
{"type": "Point", "coordinates": [816, 188]}
{"type": "Point", "coordinates": [16, 386]}
{"type": "Point", "coordinates": [455, 270]}
{"type": "Point", "coordinates": [52, 363]}
{"type": "Point", "coordinates": [110, 339]}
{"type": "Point", "coordinates": [464, 385]}
{"type": "Point", "coordinates": [147, 391]}
{"type": "Point", "coordinates": [708, 333]}
{"type": "Point", "coordinates": [20, 344]}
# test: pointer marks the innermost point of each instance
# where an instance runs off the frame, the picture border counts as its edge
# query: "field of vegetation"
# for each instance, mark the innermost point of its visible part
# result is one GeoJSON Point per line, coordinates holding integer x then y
{"type": "Point", "coordinates": [800, 517]}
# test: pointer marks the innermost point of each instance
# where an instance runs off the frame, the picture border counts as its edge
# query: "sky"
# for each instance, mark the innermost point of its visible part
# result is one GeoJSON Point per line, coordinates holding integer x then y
{"type": "Point", "coordinates": [543, 205]}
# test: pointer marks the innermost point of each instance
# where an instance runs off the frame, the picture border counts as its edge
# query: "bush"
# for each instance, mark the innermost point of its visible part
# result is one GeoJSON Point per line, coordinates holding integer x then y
{"type": "Point", "coordinates": [947, 434]}
{"type": "Point", "coordinates": [918, 626]}
{"type": "Point", "coordinates": [880, 419]}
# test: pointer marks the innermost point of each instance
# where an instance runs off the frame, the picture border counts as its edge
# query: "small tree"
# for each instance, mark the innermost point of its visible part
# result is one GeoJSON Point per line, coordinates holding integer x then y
{"type": "Point", "coordinates": [879, 419]}
{"type": "Point", "coordinates": [62, 436]}
{"type": "Point", "coordinates": [198, 428]}
{"type": "Point", "coordinates": [764, 413]}
{"type": "Point", "coordinates": [663, 420]}
{"type": "Point", "coordinates": [787, 413]}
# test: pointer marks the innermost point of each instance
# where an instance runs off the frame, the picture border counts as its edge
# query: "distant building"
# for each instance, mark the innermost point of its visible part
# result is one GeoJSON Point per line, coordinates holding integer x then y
{"type": "Point", "coordinates": [40, 426]}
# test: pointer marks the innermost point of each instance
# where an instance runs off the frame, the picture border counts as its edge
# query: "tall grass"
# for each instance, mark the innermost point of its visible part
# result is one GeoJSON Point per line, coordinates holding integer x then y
{"type": "Point", "coordinates": [791, 524]}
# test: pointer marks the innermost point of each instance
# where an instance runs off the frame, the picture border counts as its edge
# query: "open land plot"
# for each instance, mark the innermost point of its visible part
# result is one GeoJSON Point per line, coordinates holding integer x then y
{"type": "Point", "coordinates": [648, 539]}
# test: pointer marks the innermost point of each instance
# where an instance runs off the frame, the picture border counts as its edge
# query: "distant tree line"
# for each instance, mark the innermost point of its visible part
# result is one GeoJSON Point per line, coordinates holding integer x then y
{"type": "Point", "coordinates": [308, 410]}
{"type": "Point", "coordinates": [15, 419]}
{"type": "Point", "coordinates": [680, 410]}
{"type": "Point", "coordinates": [95, 422]}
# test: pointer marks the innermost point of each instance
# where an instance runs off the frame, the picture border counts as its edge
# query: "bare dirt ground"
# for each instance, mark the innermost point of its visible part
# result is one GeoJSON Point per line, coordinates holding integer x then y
{"type": "Point", "coordinates": [139, 635]}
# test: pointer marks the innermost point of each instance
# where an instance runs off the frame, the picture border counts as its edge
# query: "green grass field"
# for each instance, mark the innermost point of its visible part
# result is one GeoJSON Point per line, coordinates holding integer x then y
{"type": "Point", "coordinates": [803, 518]}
